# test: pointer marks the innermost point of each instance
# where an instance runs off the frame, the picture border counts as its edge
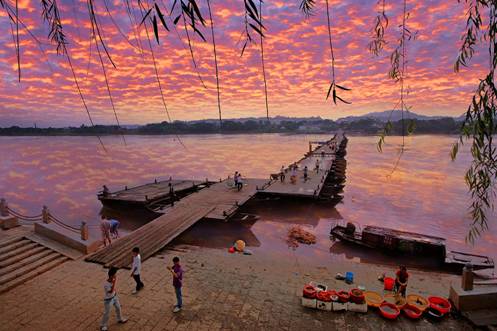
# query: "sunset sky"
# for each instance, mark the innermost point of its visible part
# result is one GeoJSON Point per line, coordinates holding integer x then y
{"type": "Point", "coordinates": [296, 54]}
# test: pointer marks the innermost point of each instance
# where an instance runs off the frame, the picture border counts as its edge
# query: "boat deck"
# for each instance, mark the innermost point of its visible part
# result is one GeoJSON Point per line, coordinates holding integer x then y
{"type": "Point", "coordinates": [152, 191]}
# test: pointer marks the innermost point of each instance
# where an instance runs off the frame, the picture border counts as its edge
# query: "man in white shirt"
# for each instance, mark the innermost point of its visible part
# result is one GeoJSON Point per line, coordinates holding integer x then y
{"type": "Point", "coordinates": [111, 299]}
{"type": "Point", "coordinates": [136, 269]}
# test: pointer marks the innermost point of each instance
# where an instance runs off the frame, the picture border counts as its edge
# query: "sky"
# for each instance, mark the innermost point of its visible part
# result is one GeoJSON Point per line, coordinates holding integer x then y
{"type": "Point", "coordinates": [296, 56]}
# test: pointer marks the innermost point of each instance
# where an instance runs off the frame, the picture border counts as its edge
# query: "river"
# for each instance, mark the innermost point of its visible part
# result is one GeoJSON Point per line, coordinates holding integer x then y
{"type": "Point", "coordinates": [422, 191]}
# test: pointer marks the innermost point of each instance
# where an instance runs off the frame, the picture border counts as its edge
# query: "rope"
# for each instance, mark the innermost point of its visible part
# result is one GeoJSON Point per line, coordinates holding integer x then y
{"type": "Point", "coordinates": [24, 217]}
{"type": "Point", "coordinates": [61, 223]}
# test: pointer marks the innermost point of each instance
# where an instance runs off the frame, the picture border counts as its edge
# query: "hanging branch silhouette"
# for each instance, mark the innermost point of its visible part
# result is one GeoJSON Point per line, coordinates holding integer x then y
{"type": "Point", "coordinates": [262, 60]}
{"type": "Point", "coordinates": [333, 86]}
{"type": "Point", "coordinates": [480, 123]}
{"type": "Point", "coordinates": [216, 65]}
{"type": "Point", "coordinates": [378, 41]}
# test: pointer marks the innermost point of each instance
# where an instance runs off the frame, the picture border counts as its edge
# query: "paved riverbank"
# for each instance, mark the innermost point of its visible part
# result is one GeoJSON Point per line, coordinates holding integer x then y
{"type": "Point", "coordinates": [221, 291]}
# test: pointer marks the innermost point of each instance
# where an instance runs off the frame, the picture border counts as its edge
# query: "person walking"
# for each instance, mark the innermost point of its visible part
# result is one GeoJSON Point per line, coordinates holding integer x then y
{"type": "Point", "coordinates": [105, 229]}
{"type": "Point", "coordinates": [305, 174]}
{"type": "Point", "coordinates": [177, 273]}
{"type": "Point", "coordinates": [136, 269]}
{"type": "Point", "coordinates": [111, 299]}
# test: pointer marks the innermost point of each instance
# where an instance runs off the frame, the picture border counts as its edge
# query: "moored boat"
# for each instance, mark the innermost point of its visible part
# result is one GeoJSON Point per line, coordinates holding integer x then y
{"type": "Point", "coordinates": [409, 243]}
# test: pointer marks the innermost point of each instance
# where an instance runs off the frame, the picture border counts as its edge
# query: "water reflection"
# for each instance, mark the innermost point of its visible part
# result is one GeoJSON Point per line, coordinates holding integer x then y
{"type": "Point", "coordinates": [425, 194]}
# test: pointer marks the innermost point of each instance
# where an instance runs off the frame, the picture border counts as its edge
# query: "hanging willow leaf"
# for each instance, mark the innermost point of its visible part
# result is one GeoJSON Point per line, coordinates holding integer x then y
{"type": "Point", "coordinates": [307, 7]}
{"type": "Point", "coordinates": [161, 17]}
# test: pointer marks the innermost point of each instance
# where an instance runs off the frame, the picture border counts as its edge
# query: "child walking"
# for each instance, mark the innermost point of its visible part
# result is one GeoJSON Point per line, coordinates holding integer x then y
{"type": "Point", "coordinates": [136, 269]}
{"type": "Point", "coordinates": [111, 299]}
{"type": "Point", "coordinates": [177, 283]}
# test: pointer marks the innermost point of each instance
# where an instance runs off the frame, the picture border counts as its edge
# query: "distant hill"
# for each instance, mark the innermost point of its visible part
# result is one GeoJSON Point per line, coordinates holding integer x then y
{"type": "Point", "coordinates": [393, 116]}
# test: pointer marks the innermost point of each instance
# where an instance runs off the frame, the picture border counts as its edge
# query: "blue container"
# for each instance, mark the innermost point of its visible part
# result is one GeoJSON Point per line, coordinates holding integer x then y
{"type": "Point", "coordinates": [349, 277]}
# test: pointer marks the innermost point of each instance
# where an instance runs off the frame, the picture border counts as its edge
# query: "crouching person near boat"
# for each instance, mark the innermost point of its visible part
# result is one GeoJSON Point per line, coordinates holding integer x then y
{"type": "Point", "coordinates": [401, 280]}
{"type": "Point", "coordinates": [111, 299]}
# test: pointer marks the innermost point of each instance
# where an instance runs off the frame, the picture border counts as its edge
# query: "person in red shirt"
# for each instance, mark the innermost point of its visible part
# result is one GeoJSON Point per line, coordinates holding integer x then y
{"type": "Point", "coordinates": [401, 280]}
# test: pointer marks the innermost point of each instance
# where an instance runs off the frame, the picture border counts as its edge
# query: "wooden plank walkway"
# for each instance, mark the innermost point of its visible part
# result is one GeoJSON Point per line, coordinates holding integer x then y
{"type": "Point", "coordinates": [218, 201]}
{"type": "Point", "coordinates": [325, 155]}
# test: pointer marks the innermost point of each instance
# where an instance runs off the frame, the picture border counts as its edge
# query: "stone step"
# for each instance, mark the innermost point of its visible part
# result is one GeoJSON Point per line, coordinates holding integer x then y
{"type": "Point", "coordinates": [14, 245]}
{"type": "Point", "coordinates": [17, 251]}
{"type": "Point", "coordinates": [7, 242]}
{"type": "Point", "coordinates": [24, 262]}
{"type": "Point", "coordinates": [21, 256]}
{"type": "Point", "coordinates": [33, 273]}
{"type": "Point", "coordinates": [28, 268]}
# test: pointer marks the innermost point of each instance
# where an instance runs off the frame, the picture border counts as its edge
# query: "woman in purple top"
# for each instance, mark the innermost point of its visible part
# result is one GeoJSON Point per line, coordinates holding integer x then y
{"type": "Point", "coordinates": [177, 282]}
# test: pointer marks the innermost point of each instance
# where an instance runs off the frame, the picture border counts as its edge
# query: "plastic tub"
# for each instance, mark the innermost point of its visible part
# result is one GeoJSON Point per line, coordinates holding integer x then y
{"type": "Point", "coordinates": [309, 292]}
{"type": "Point", "coordinates": [389, 310]}
{"type": "Point", "coordinates": [343, 296]}
{"type": "Point", "coordinates": [418, 301]}
{"type": "Point", "coordinates": [373, 299]}
{"type": "Point", "coordinates": [434, 314]}
{"type": "Point", "coordinates": [324, 296]}
{"type": "Point", "coordinates": [388, 283]}
{"type": "Point", "coordinates": [441, 304]}
{"type": "Point", "coordinates": [412, 312]}
{"type": "Point", "coordinates": [356, 296]}
{"type": "Point", "coordinates": [396, 300]}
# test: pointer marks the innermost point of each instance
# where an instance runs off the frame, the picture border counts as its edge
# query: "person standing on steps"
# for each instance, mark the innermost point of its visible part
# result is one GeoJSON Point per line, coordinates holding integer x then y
{"type": "Point", "coordinates": [177, 273]}
{"type": "Point", "coordinates": [105, 229]}
{"type": "Point", "coordinates": [111, 299]}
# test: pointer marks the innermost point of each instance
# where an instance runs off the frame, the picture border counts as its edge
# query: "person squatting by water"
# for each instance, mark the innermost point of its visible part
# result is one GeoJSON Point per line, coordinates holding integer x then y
{"type": "Point", "coordinates": [111, 299]}
{"type": "Point", "coordinates": [136, 269]}
{"type": "Point", "coordinates": [401, 277]}
{"type": "Point", "coordinates": [177, 273]}
{"type": "Point", "coordinates": [105, 227]}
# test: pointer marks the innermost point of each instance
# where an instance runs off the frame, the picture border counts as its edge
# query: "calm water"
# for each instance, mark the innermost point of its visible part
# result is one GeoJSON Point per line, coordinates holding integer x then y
{"type": "Point", "coordinates": [426, 192]}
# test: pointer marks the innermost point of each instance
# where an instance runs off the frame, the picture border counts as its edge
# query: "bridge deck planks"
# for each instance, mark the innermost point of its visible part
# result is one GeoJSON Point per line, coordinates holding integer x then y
{"type": "Point", "coordinates": [210, 202]}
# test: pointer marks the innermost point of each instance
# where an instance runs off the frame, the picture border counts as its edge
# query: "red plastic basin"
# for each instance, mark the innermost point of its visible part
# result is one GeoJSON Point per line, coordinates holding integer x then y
{"type": "Point", "coordinates": [309, 292]}
{"type": "Point", "coordinates": [343, 296]}
{"type": "Point", "coordinates": [441, 304]}
{"type": "Point", "coordinates": [412, 312]}
{"type": "Point", "coordinates": [356, 296]}
{"type": "Point", "coordinates": [389, 310]}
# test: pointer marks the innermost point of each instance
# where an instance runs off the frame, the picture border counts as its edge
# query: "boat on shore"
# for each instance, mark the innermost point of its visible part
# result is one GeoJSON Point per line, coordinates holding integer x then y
{"type": "Point", "coordinates": [409, 243]}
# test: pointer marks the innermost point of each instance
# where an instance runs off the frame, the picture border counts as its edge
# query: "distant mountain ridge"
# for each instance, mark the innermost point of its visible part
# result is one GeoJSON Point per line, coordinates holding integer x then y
{"type": "Point", "coordinates": [395, 115]}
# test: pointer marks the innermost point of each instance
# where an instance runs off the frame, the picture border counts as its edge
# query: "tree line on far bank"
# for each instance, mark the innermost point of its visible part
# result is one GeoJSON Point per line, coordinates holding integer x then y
{"type": "Point", "coordinates": [361, 126]}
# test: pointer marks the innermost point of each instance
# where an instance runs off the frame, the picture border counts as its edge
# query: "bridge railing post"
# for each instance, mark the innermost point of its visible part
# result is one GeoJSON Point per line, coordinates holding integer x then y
{"type": "Point", "coordinates": [3, 208]}
{"type": "Point", "coordinates": [84, 231]}
{"type": "Point", "coordinates": [45, 215]}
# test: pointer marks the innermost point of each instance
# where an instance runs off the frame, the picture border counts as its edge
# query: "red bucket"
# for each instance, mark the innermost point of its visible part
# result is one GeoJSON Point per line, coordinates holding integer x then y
{"type": "Point", "coordinates": [388, 283]}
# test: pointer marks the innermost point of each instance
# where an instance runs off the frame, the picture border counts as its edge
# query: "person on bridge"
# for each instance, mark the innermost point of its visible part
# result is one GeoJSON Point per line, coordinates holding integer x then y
{"type": "Point", "coordinates": [282, 174]}
{"type": "Point", "coordinates": [172, 196]}
{"type": "Point", "coordinates": [239, 182]}
{"type": "Point", "coordinates": [111, 299]}
{"type": "Point", "coordinates": [177, 273]}
{"type": "Point", "coordinates": [317, 165]}
{"type": "Point", "coordinates": [105, 229]}
{"type": "Point", "coordinates": [305, 174]}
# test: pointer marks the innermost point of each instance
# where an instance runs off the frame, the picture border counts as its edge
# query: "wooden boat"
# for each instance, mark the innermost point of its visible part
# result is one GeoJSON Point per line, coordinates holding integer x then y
{"type": "Point", "coordinates": [410, 243]}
